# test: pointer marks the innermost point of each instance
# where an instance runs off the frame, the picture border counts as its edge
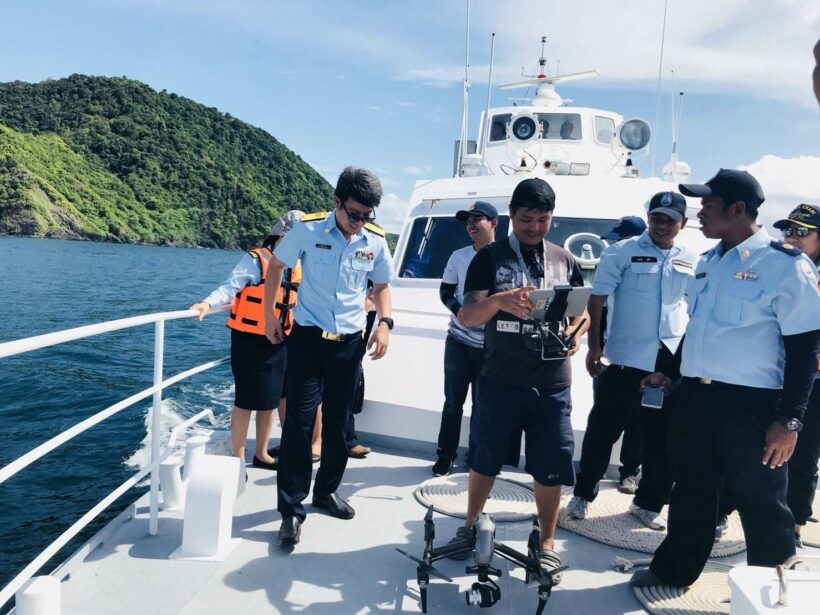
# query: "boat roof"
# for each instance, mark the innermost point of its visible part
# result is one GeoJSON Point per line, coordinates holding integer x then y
{"type": "Point", "coordinates": [338, 567]}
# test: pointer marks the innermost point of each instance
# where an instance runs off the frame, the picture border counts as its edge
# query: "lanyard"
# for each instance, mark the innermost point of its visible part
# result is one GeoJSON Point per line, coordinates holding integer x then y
{"type": "Point", "coordinates": [525, 270]}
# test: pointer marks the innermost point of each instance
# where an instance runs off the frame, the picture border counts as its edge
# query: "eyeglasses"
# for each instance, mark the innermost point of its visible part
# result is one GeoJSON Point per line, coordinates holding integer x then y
{"type": "Point", "coordinates": [800, 231]}
{"type": "Point", "coordinates": [355, 217]}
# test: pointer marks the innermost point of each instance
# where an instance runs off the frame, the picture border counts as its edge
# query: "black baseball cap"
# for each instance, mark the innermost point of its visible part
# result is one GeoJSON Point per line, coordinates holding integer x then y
{"type": "Point", "coordinates": [533, 193]}
{"type": "Point", "coordinates": [731, 186]}
{"type": "Point", "coordinates": [802, 215]}
{"type": "Point", "coordinates": [670, 203]}
{"type": "Point", "coordinates": [479, 208]}
{"type": "Point", "coordinates": [628, 226]}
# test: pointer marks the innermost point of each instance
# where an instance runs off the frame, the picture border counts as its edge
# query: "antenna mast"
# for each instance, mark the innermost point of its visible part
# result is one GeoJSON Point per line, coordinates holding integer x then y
{"type": "Point", "coordinates": [462, 142]}
{"type": "Point", "coordinates": [485, 133]}
{"type": "Point", "coordinates": [658, 93]}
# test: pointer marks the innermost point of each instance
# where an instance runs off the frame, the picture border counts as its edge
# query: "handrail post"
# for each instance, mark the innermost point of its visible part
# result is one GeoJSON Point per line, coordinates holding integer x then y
{"type": "Point", "coordinates": [156, 425]}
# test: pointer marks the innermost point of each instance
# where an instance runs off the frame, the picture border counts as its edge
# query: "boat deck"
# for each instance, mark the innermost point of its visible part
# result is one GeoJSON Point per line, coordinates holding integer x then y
{"type": "Point", "coordinates": [338, 567]}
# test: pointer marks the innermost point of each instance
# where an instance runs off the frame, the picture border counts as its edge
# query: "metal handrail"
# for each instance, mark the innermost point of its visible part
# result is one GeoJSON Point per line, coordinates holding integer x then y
{"type": "Point", "coordinates": [15, 347]}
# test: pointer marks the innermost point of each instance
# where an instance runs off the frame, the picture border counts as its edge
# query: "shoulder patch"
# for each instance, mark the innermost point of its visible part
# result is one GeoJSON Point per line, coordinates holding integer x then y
{"type": "Point", "coordinates": [318, 215]}
{"type": "Point", "coordinates": [782, 246]}
{"type": "Point", "coordinates": [373, 228]}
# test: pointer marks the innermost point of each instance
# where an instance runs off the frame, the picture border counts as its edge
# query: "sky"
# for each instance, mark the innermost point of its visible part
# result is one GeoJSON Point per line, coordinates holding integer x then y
{"type": "Point", "coordinates": [377, 83]}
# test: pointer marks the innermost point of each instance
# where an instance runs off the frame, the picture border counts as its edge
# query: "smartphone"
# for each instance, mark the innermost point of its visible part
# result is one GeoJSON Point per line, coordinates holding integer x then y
{"type": "Point", "coordinates": [652, 397]}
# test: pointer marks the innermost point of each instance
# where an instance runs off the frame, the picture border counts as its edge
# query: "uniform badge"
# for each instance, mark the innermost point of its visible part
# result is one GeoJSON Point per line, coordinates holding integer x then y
{"type": "Point", "coordinates": [681, 263]}
{"type": "Point", "coordinates": [644, 259]}
{"type": "Point", "coordinates": [746, 274]}
{"type": "Point", "coordinates": [745, 254]}
{"type": "Point", "coordinates": [666, 199]}
{"type": "Point", "coordinates": [701, 275]}
{"type": "Point", "coordinates": [505, 326]}
{"type": "Point", "coordinates": [363, 255]}
{"type": "Point", "coordinates": [807, 271]}
{"type": "Point", "coordinates": [324, 246]}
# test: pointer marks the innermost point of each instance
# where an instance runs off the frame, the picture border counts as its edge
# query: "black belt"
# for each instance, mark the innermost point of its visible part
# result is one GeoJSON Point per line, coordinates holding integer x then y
{"type": "Point", "coordinates": [714, 383]}
{"type": "Point", "coordinates": [329, 336]}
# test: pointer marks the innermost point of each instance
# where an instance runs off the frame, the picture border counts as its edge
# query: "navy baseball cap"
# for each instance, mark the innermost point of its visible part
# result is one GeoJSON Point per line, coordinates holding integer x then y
{"type": "Point", "coordinates": [479, 208]}
{"type": "Point", "coordinates": [731, 186]}
{"type": "Point", "coordinates": [628, 226]}
{"type": "Point", "coordinates": [670, 203]}
{"type": "Point", "coordinates": [802, 215]}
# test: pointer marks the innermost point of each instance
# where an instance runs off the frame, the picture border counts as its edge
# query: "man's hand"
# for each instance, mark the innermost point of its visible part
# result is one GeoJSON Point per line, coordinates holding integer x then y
{"type": "Point", "coordinates": [379, 339]}
{"type": "Point", "coordinates": [459, 313]}
{"type": "Point", "coordinates": [273, 330]}
{"type": "Point", "coordinates": [594, 365]}
{"type": "Point", "coordinates": [203, 307]}
{"type": "Point", "coordinates": [779, 445]}
{"type": "Point", "coordinates": [658, 380]}
{"type": "Point", "coordinates": [515, 301]}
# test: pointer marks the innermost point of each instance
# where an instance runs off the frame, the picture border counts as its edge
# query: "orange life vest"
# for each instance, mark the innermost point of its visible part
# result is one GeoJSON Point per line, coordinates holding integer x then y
{"type": "Point", "coordinates": [246, 309]}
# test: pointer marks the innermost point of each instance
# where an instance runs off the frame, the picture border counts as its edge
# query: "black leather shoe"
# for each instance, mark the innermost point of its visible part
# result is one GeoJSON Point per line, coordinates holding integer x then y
{"type": "Point", "coordinates": [289, 532]}
{"type": "Point", "coordinates": [258, 463]}
{"type": "Point", "coordinates": [334, 505]}
{"type": "Point", "coordinates": [274, 451]}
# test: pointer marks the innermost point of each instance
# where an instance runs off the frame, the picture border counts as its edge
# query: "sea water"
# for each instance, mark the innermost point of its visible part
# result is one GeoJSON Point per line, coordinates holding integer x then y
{"type": "Point", "coordinates": [50, 285]}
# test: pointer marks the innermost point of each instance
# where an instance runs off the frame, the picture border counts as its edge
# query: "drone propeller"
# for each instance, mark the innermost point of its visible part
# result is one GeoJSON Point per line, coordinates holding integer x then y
{"type": "Point", "coordinates": [425, 567]}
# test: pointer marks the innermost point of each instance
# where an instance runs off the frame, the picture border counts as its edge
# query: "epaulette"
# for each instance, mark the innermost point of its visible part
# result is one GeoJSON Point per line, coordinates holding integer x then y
{"type": "Point", "coordinates": [782, 246]}
{"type": "Point", "coordinates": [374, 228]}
{"type": "Point", "coordinates": [317, 215]}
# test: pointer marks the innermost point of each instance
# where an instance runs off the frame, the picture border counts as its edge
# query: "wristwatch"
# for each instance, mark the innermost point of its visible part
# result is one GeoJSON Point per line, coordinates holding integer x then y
{"type": "Point", "coordinates": [790, 424]}
{"type": "Point", "coordinates": [388, 321]}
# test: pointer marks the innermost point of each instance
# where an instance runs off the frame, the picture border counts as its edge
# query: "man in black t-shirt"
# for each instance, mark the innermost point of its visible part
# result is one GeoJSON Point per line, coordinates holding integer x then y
{"type": "Point", "coordinates": [518, 389]}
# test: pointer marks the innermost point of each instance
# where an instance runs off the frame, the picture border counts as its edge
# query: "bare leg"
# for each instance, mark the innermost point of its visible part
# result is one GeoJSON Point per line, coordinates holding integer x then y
{"type": "Point", "coordinates": [240, 419]}
{"type": "Point", "coordinates": [478, 490]}
{"type": "Point", "coordinates": [316, 440]}
{"type": "Point", "coordinates": [264, 423]}
{"type": "Point", "coordinates": [282, 410]}
{"type": "Point", "coordinates": [547, 501]}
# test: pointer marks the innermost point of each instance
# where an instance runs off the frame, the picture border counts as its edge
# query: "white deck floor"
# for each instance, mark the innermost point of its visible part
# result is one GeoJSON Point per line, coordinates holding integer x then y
{"type": "Point", "coordinates": [339, 567]}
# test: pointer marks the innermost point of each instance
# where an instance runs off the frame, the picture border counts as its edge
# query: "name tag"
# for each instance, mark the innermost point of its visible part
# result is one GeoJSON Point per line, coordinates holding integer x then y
{"type": "Point", "coordinates": [682, 263]}
{"type": "Point", "coordinates": [746, 274]}
{"type": "Point", "coordinates": [506, 326]}
{"type": "Point", "coordinates": [644, 259]}
{"type": "Point", "coordinates": [324, 246]}
{"type": "Point", "coordinates": [363, 255]}
{"type": "Point", "coordinates": [700, 275]}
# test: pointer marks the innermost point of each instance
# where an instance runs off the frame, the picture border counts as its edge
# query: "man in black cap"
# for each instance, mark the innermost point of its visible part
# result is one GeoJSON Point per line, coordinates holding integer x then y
{"type": "Point", "coordinates": [464, 347]}
{"type": "Point", "coordinates": [518, 388]}
{"type": "Point", "coordinates": [748, 363]}
{"type": "Point", "coordinates": [630, 457]}
{"type": "Point", "coordinates": [802, 230]}
{"type": "Point", "coordinates": [645, 276]}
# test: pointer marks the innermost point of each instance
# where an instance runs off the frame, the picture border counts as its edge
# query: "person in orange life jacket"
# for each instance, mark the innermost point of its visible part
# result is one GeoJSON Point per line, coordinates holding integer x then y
{"type": "Point", "coordinates": [258, 366]}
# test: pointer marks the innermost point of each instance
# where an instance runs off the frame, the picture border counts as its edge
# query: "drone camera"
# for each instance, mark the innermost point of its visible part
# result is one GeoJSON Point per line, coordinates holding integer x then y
{"type": "Point", "coordinates": [483, 595]}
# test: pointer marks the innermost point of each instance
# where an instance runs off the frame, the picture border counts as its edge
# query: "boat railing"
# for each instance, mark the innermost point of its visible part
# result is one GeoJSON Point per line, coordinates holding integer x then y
{"type": "Point", "coordinates": [16, 347]}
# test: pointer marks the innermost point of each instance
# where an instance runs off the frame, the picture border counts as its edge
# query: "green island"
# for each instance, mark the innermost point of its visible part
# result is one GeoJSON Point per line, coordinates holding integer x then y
{"type": "Point", "coordinates": [111, 159]}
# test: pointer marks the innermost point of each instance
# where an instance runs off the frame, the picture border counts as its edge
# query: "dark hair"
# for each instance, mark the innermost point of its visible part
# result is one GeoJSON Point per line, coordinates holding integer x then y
{"type": "Point", "coordinates": [360, 185]}
{"type": "Point", "coordinates": [532, 193]}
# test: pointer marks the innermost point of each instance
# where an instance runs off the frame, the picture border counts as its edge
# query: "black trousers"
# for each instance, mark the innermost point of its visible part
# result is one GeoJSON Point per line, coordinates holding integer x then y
{"type": "Point", "coordinates": [631, 444]}
{"type": "Point", "coordinates": [462, 365]}
{"type": "Point", "coordinates": [617, 399]}
{"type": "Point", "coordinates": [719, 432]}
{"type": "Point", "coordinates": [318, 370]}
{"type": "Point", "coordinates": [803, 463]}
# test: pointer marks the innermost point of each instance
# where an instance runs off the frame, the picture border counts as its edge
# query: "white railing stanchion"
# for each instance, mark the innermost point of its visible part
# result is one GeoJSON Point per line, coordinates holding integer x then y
{"type": "Point", "coordinates": [156, 425]}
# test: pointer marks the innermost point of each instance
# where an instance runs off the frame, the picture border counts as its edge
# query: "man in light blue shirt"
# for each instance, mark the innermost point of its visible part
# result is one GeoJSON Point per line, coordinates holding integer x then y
{"type": "Point", "coordinates": [464, 347]}
{"type": "Point", "coordinates": [748, 365]}
{"type": "Point", "coordinates": [339, 253]}
{"type": "Point", "coordinates": [643, 280]}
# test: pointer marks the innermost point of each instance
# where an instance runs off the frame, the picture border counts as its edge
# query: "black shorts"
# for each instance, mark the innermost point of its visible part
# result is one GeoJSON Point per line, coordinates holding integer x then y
{"type": "Point", "coordinates": [503, 410]}
{"type": "Point", "coordinates": [258, 371]}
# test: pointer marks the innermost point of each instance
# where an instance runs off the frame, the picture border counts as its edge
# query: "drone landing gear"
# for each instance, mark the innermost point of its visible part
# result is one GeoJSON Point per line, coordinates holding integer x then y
{"type": "Point", "coordinates": [485, 592]}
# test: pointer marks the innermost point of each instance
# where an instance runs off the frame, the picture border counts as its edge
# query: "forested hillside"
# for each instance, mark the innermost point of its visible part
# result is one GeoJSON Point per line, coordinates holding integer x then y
{"type": "Point", "coordinates": [112, 159]}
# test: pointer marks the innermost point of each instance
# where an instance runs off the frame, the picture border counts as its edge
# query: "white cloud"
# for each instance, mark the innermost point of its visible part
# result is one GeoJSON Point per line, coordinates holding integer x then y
{"type": "Point", "coordinates": [392, 211]}
{"type": "Point", "coordinates": [418, 169]}
{"type": "Point", "coordinates": [786, 182]}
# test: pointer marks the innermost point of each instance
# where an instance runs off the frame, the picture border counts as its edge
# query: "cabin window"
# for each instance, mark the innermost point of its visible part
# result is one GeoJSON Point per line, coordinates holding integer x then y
{"type": "Point", "coordinates": [498, 127]}
{"type": "Point", "coordinates": [563, 229]}
{"type": "Point", "coordinates": [604, 129]}
{"type": "Point", "coordinates": [561, 126]}
{"type": "Point", "coordinates": [433, 240]}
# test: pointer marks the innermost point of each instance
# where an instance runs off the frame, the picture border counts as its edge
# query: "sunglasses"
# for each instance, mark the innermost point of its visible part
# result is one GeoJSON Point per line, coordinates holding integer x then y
{"type": "Point", "coordinates": [355, 217]}
{"type": "Point", "coordinates": [800, 231]}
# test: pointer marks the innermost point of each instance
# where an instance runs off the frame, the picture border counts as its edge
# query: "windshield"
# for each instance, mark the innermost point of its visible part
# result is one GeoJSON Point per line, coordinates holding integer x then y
{"type": "Point", "coordinates": [434, 239]}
